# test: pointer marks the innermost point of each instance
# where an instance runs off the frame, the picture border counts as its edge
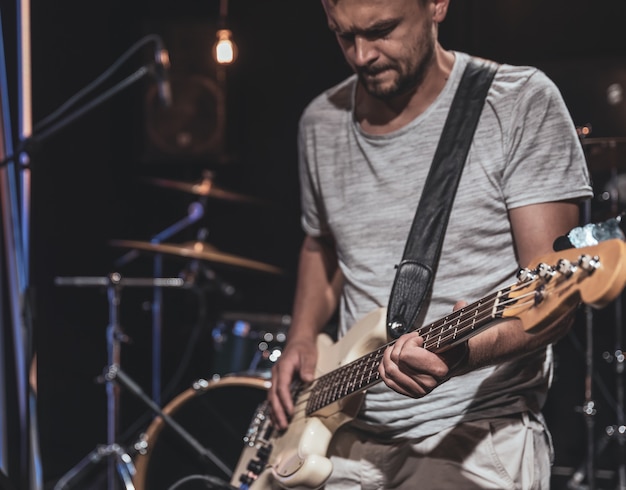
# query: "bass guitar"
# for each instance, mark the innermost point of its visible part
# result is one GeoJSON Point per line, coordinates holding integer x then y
{"type": "Point", "coordinates": [296, 457]}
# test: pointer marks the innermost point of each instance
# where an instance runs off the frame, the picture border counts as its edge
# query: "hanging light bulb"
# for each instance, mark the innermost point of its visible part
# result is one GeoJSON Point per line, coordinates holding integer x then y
{"type": "Point", "coordinates": [224, 49]}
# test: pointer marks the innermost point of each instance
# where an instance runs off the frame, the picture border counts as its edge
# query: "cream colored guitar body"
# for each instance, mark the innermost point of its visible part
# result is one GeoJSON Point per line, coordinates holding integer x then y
{"type": "Point", "coordinates": [298, 455]}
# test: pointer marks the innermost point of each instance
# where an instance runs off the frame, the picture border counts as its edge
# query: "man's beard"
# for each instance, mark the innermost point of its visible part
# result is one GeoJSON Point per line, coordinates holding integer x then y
{"type": "Point", "coordinates": [406, 82]}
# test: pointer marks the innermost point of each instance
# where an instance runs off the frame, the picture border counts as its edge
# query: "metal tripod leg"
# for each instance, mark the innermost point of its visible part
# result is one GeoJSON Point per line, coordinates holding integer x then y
{"type": "Point", "coordinates": [205, 455]}
{"type": "Point", "coordinates": [114, 454]}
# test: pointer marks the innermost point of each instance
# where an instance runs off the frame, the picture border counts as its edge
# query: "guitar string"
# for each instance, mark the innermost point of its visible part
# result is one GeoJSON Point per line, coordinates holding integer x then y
{"type": "Point", "coordinates": [500, 300]}
{"type": "Point", "coordinates": [467, 314]}
{"type": "Point", "coordinates": [322, 394]}
{"type": "Point", "coordinates": [330, 387]}
{"type": "Point", "coordinates": [499, 305]}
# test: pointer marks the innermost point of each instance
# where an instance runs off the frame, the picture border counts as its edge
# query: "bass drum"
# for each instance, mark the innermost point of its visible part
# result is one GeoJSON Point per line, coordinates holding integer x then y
{"type": "Point", "coordinates": [217, 414]}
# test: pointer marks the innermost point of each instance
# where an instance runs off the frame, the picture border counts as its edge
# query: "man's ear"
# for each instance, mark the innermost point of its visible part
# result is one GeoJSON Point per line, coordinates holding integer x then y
{"type": "Point", "coordinates": [441, 10]}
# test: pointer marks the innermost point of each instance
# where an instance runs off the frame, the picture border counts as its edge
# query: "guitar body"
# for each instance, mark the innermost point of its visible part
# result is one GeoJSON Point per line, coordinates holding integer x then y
{"type": "Point", "coordinates": [298, 455]}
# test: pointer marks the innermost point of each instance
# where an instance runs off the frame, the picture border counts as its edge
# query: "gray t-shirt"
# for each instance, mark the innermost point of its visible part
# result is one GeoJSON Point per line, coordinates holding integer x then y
{"type": "Point", "coordinates": [363, 189]}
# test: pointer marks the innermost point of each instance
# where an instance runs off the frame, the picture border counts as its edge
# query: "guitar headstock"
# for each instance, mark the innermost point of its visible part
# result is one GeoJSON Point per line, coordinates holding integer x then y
{"type": "Point", "coordinates": [559, 281]}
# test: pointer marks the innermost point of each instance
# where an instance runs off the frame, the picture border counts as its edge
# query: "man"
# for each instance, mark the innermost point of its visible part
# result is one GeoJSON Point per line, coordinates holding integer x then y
{"type": "Point", "coordinates": [469, 418]}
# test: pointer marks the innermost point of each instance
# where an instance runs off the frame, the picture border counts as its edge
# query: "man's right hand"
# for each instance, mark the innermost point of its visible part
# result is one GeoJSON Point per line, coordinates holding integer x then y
{"type": "Point", "coordinates": [297, 361]}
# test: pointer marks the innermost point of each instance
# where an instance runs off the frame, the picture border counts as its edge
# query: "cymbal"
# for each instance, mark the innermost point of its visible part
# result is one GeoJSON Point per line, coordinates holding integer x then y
{"type": "Point", "coordinates": [605, 153]}
{"type": "Point", "coordinates": [204, 187]}
{"type": "Point", "coordinates": [197, 250]}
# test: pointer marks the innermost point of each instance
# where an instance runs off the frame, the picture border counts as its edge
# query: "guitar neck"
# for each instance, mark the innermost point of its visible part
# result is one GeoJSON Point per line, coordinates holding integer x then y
{"type": "Point", "coordinates": [439, 336]}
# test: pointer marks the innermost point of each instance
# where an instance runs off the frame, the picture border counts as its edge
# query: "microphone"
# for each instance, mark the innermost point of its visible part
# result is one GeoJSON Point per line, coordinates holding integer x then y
{"type": "Point", "coordinates": [590, 234]}
{"type": "Point", "coordinates": [161, 73]}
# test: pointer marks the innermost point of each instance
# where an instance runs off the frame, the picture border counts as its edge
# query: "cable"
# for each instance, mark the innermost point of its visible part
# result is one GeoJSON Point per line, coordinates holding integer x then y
{"type": "Point", "coordinates": [50, 124]}
{"type": "Point", "coordinates": [130, 433]}
{"type": "Point", "coordinates": [99, 80]}
{"type": "Point", "coordinates": [174, 382]}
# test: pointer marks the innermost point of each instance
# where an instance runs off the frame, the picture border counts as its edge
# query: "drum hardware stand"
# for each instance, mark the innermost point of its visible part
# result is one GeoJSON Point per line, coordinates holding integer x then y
{"type": "Point", "coordinates": [115, 373]}
{"type": "Point", "coordinates": [124, 466]}
{"type": "Point", "coordinates": [612, 432]}
{"type": "Point", "coordinates": [116, 456]}
{"type": "Point", "coordinates": [194, 213]}
{"type": "Point", "coordinates": [618, 431]}
{"type": "Point", "coordinates": [589, 411]}
{"type": "Point", "coordinates": [587, 469]}
{"type": "Point", "coordinates": [201, 280]}
{"type": "Point", "coordinates": [206, 280]}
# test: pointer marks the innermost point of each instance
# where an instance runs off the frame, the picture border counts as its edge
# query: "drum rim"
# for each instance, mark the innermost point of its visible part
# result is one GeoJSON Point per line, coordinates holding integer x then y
{"type": "Point", "coordinates": [141, 461]}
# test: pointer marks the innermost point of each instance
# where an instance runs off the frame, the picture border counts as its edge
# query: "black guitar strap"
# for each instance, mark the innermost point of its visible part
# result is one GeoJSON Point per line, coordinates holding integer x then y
{"type": "Point", "coordinates": [415, 272]}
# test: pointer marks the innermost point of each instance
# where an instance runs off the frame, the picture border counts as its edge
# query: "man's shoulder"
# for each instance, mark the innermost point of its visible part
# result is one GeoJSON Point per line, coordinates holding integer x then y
{"type": "Point", "coordinates": [516, 86]}
{"type": "Point", "coordinates": [522, 79]}
{"type": "Point", "coordinates": [331, 103]}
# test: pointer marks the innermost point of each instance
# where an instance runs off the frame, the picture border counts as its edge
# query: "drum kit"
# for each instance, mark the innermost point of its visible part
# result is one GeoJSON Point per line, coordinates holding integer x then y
{"type": "Point", "coordinates": [198, 433]}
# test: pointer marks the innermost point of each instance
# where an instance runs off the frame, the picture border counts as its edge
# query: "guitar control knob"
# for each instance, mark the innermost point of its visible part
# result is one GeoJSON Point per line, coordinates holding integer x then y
{"type": "Point", "coordinates": [264, 452]}
{"type": "Point", "coordinates": [256, 466]}
{"type": "Point", "coordinates": [246, 480]}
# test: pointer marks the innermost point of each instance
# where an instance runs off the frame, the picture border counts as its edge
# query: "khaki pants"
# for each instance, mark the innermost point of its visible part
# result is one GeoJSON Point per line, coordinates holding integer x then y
{"type": "Point", "coordinates": [512, 452]}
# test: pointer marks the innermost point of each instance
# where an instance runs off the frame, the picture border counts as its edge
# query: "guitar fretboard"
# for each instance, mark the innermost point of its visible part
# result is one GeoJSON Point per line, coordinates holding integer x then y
{"type": "Point", "coordinates": [362, 373]}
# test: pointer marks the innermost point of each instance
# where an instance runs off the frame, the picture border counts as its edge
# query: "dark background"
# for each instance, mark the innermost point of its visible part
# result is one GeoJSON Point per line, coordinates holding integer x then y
{"type": "Point", "coordinates": [88, 183]}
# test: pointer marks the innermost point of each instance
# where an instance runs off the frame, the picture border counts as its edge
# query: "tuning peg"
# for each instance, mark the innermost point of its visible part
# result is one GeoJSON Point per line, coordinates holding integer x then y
{"type": "Point", "coordinates": [526, 275]}
{"type": "Point", "coordinates": [589, 263]}
{"type": "Point", "coordinates": [565, 267]}
{"type": "Point", "coordinates": [545, 272]}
